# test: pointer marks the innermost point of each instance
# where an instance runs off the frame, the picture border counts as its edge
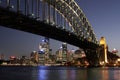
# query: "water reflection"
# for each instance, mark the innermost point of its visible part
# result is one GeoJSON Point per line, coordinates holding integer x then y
{"type": "Point", "coordinates": [53, 74]}
{"type": "Point", "coordinates": [116, 75]}
{"type": "Point", "coordinates": [43, 74]}
{"type": "Point", "coordinates": [105, 74]}
{"type": "Point", "coordinates": [80, 74]}
{"type": "Point", "coordinates": [69, 74]}
{"type": "Point", "coordinates": [58, 73]}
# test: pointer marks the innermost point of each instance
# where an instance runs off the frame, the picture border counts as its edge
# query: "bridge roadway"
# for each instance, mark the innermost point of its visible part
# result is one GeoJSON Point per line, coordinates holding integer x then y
{"type": "Point", "coordinates": [19, 21]}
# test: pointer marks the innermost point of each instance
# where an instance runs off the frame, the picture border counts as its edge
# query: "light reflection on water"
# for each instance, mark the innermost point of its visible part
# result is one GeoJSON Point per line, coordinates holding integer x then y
{"type": "Point", "coordinates": [58, 73]}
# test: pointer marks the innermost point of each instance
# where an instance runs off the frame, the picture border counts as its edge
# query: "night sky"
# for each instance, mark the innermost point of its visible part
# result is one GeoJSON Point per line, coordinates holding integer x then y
{"type": "Point", "coordinates": [104, 16]}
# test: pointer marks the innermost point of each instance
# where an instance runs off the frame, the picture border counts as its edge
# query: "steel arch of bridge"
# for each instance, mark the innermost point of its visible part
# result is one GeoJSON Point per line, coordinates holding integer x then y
{"type": "Point", "coordinates": [68, 9]}
{"type": "Point", "coordinates": [76, 18]}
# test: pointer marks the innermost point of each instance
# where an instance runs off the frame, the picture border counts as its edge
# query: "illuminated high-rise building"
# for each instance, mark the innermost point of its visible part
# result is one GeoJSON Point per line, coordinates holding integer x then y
{"type": "Point", "coordinates": [64, 51]}
{"type": "Point", "coordinates": [59, 56]}
{"type": "Point", "coordinates": [44, 50]}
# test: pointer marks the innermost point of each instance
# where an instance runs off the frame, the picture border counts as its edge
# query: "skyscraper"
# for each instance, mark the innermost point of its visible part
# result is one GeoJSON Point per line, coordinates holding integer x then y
{"type": "Point", "coordinates": [64, 51]}
{"type": "Point", "coordinates": [44, 50]}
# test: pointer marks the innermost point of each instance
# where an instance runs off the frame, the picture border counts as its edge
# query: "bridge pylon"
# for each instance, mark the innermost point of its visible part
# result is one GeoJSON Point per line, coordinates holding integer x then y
{"type": "Point", "coordinates": [103, 51]}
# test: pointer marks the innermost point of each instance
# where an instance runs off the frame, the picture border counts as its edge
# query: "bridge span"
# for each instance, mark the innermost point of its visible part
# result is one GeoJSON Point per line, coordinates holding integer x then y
{"type": "Point", "coordinates": [62, 20]}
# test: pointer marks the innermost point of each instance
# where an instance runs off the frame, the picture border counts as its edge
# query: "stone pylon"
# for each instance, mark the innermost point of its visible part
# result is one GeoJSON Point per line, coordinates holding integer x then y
{"type": "Point", "coordinates": [104, 47]}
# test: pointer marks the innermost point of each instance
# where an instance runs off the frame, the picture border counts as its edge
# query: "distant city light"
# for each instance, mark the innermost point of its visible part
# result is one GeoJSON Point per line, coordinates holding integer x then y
{"type": "Point", "coordinates": [12, 57]}
{"type": "Point", "coordinates": [34, 51]}
{"type": "Point", "coordinates": [73, 50]}
{"type": "Point", "coordinates": [41, 52]}
{"type": "Point", "coordinates": [114, 50]}
{"type": "Point", "coordinates": [61, 47]}
{"type": "Point", "coordinates": [43, 40]}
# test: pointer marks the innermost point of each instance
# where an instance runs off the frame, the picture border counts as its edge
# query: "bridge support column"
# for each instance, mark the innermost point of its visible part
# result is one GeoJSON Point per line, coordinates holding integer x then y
{"type": "Point", "coordinates": [92, 57]}
{"type": "Point", "coordinates": [103, 51]}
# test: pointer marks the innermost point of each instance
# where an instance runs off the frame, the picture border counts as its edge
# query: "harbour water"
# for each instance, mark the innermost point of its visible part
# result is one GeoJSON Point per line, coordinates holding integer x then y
{"type": "Point", "coordinates": [58, 73]}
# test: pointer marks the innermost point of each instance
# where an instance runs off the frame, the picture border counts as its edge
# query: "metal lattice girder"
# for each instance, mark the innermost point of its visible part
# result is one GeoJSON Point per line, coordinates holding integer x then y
{"type": "Point", "coordinates": [76, 18]}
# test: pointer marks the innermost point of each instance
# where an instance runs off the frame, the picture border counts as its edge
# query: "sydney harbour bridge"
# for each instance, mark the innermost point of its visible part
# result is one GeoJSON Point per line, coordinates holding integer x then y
{"type": "Point", "coordinates": [62, 20]}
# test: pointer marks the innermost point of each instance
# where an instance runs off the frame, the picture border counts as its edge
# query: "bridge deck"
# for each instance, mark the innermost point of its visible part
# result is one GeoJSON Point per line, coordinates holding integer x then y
{"type": "Point", "coordinates": [21, 22]}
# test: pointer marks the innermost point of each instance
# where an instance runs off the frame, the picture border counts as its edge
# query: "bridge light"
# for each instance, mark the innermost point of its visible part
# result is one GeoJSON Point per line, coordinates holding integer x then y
{"type": "Point", "coordinates": [12, 7]}
{"type": "Point", "coordinates": [32, 14]}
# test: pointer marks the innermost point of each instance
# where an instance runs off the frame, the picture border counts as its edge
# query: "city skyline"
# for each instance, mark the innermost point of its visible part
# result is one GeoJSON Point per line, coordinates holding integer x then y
{"type": "Point", "coordinates": [103, 16]}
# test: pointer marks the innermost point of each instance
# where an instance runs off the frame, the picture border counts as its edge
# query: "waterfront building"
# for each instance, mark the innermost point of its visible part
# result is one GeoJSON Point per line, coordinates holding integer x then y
{"type": "Point", "coordinates": [63, 54]}
{"type": "Point", "coordinates": [78, 54]}
{"type": "Point", "coordinates": [34, 57]}
{"type": "Point", "coordinates": [13, 59]}
{"type": "Point", "coordinates": [79, 58]}
{"type": "Point", "coordinates": [59, 56]}
{"type": "Point", "coordinates": [24, 60]}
